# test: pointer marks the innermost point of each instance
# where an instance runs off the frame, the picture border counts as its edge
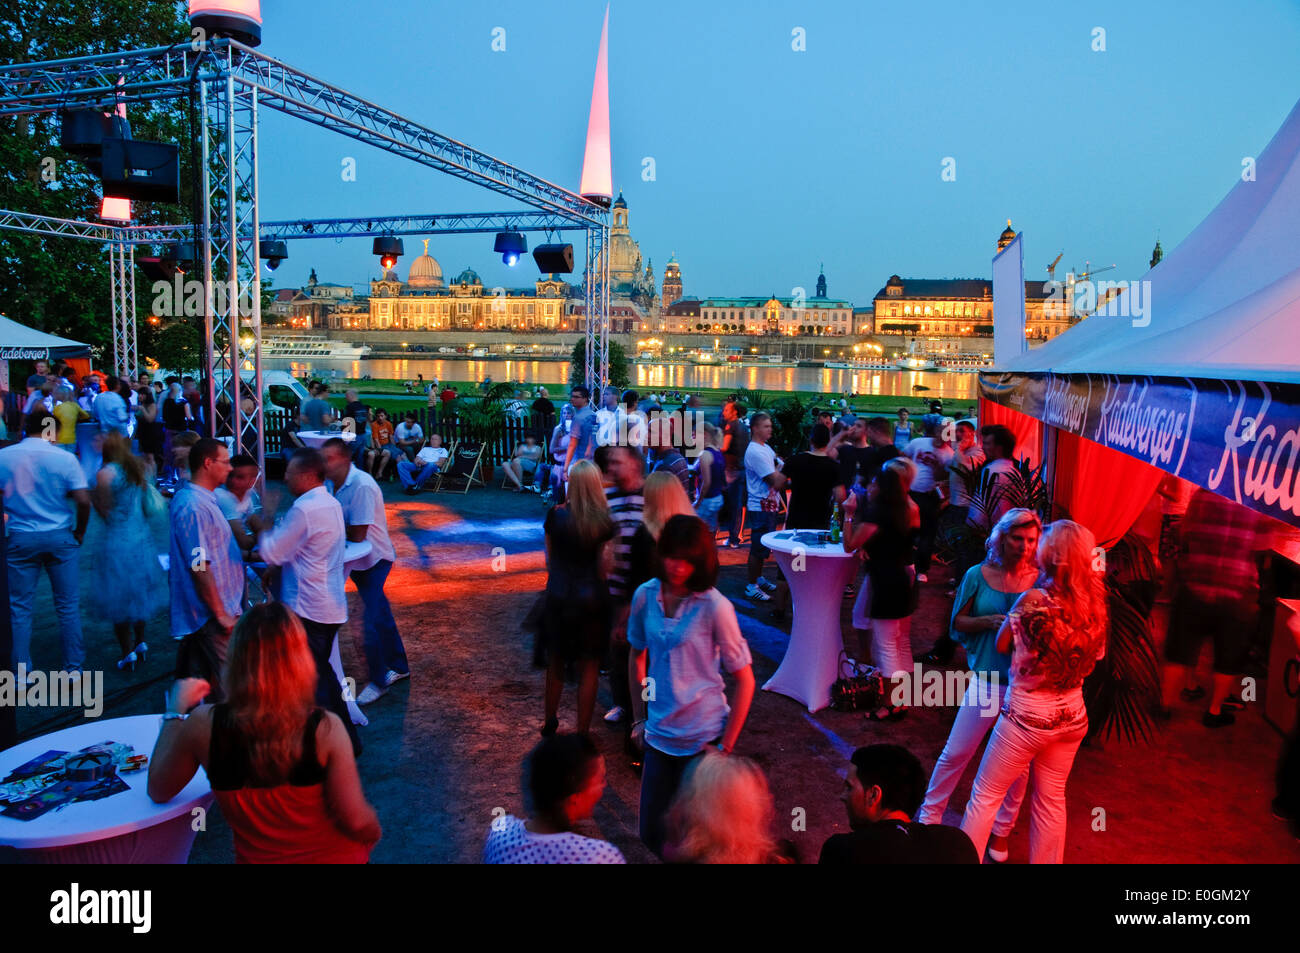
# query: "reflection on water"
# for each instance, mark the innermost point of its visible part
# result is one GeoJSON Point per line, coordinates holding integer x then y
{"type": "Point", "coordinates": [946, 384]}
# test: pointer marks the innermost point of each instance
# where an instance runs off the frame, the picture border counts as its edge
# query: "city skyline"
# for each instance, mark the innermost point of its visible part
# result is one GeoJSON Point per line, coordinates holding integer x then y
{"type": "Point", "coordinates": [767, 164]}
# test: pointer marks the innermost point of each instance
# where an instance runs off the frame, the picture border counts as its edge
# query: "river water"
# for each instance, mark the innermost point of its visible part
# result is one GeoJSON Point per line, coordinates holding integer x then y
{"type": "Point", "coordinates": [950, 385]}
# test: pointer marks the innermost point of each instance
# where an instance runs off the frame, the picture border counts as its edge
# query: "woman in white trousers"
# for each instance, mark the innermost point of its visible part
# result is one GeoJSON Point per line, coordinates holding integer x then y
{"type": "Point", "coordinates": [1055, 634]}
{"type": "Point", "coordinates": [986, 594]}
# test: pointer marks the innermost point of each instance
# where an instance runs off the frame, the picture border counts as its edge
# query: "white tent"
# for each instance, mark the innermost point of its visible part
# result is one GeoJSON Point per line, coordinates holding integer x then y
{"type": "Point", "coordinates": [1224, 304]}
{"type": "Point", "coordinates": [21, 343]}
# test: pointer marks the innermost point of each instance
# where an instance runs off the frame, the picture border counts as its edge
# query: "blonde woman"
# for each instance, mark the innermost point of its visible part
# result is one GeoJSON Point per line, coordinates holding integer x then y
{"type": "Point", "coordinates": [574, 624]}
{"type": "Point", "coordinates": [722, 815]}
{"type": "Point", "coordinates": [710, 477]}
{"type": "Point", "coordinates": [1055, 634]}
{"type": "Point", "coordinates": [129, 586]}
{"type": "Point", "coordinates": [664, 499]}
{"type": "Point", "coordinates": [986, 594]}
{"type": "Point", "coordinates": [281, 768]}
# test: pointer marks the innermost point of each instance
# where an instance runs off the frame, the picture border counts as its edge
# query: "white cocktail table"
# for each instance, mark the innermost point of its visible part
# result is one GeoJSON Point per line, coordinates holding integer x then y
{"type": "Point", "coordinates": [125, 828]}
{"type": "Point", "coordinates": [817, 574]}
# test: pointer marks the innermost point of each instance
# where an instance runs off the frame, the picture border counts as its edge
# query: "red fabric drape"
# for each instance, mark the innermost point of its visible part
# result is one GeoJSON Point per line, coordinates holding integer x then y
{"type": "Point", "coordinates": [1101, 488]}
{"type": "Point", "coordinates": [1028, 431]}
{"type": "Point", "coordinates": [80, 366]}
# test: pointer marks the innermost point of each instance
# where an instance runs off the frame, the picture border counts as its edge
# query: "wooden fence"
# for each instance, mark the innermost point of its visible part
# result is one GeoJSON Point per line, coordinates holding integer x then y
{"type": "Point", "coordinates": [500, 440]}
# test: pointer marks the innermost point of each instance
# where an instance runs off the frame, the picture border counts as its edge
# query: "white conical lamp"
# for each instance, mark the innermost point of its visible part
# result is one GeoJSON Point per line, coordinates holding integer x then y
{"type": "Point", "coordinates": [597, 178]}
{"type": "Point", "coordinates": [238, 19]}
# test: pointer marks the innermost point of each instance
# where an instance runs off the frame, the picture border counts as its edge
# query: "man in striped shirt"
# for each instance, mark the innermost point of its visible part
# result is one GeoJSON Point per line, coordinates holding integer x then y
{"type": "Point", "coordinates": [624, 471]}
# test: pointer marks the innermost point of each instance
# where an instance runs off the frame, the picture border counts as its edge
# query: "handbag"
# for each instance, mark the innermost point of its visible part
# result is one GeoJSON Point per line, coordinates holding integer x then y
{"type": "Point", "coordinates": [858, 687]}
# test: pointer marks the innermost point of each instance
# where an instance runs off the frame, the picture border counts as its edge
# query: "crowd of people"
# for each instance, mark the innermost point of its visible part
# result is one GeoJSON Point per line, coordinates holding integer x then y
{"type": "Point", "coordinates": [643, 502]}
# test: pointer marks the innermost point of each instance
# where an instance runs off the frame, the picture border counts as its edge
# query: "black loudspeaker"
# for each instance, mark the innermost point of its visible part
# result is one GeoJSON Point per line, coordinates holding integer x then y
{"type": "Point", "coordinates": [554, 259]}
{"type": "Point", "coordinates": [142, 171]}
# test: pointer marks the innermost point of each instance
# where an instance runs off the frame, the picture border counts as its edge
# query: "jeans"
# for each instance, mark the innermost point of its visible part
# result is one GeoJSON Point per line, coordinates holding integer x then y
{"type": "Point", "coordinates": [384, 649]}
{"type": "Point", "coordinates": [707, 510]}
{"type": "Point", "coordinates": [413, 475]}
{"type": "Point", "coordinates": [1011, 751]}
{"type": "Point", "coordinates": [320, 640]}
{"type": "Point", "coordinates": [58, 553]}
{"type": "Point", "coordinates": [202, 654]}
{"type": "Point", "coordinates": [661, 776]}
{"type": "Point", "coordinates": [929, 504]}
{"type": "Point", "coordinates": [761, 522]}
{"type": "Point", "coordinates": [968, 732]}
{"type": "Point", "coordinates": [735, 498]}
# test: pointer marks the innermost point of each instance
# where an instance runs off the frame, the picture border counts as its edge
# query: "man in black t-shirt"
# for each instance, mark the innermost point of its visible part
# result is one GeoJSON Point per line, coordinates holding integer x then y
{"type": "Point", "coordinates": [884, 788]}
{"type": "Point", "coordinates": [815, 484]}
{"type": "Point", "coordinates": [735, 441]}
{"type": "Point", "coordinates": [359, 414]}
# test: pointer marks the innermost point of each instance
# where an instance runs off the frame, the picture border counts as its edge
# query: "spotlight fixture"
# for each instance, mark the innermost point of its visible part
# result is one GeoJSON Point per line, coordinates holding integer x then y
{"type": "Point", "coordinates": [238, 19]}
{"type": "Point", "coordinates": [510, 245]}
{"type": "Point", "coordinates": [273, 253]}
{"type": "Point", "coordinates": [82, 132]}
{"type": "Point", "coordinates": [389, 249]}
{"type": "Point", "coordinates": [181, 254]}
{"type": "Point", "coordinates": [554, 259]}
{"type": "Point", "coordinates": [157, 269]}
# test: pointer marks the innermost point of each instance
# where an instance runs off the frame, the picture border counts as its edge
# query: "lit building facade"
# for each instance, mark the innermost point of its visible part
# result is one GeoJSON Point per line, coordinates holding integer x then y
{"type": "Point", "coordinates": [956, 314]}
{"type": "Point", "coordinates": [672, 287]}
{"type": "Point", "coordinates": [424, 303]}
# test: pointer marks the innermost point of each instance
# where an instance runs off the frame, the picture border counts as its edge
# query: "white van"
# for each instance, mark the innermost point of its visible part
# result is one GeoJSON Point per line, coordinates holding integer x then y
{"type": "Point", "coordinates": [279, 388]}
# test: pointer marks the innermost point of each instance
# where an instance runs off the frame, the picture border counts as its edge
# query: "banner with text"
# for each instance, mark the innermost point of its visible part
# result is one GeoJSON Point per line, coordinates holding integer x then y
{"type": "Point", "coordinates": [1240, 439]}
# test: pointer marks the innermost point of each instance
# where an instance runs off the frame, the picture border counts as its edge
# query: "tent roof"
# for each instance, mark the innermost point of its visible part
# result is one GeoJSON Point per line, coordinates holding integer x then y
{"type": "Point", "coordinates": [1225, 303]}
{"type": "Point", "coordinates": [15, 335]}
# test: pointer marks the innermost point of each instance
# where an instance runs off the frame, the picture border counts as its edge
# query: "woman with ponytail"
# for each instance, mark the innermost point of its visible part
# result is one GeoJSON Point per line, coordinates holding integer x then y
{"type": "Point", "coordinates": [1055, 634]}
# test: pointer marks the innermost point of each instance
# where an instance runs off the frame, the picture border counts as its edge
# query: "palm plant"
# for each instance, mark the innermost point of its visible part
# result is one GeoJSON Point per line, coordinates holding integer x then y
{"type": "Point", "coordinates": [753, 399]}
{"type": "Point", "coordinates": [791, 419]}
{"type": "Point", "coordinates": [1124, 686]}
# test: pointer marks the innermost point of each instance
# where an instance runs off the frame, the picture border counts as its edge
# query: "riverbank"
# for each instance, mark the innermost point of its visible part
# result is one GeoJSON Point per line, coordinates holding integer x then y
{"type": "Point", "coordinates": [394, 395]}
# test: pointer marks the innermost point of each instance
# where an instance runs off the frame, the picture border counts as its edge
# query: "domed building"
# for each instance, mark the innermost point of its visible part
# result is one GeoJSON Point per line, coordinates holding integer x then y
{"type": "Point", "coordinates": [428, 302]}
{"type": "Point", "coordinates": [425, 273]}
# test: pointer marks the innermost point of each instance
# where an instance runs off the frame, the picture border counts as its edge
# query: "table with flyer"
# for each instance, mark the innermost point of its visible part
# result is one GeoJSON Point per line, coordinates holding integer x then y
{"type": "Point", "coordinates": [80, 796]}
{"type": "Point", "coordinates": [817, 571]}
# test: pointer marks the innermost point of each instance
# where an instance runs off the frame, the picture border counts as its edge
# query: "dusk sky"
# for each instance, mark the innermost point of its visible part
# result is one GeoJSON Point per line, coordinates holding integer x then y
{"type": "Point", "coordinates": [768, 160]}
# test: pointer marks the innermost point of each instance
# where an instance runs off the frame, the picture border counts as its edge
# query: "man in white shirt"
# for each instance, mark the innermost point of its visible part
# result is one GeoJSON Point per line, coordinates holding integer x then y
{"type": "Point", "coordinates": [364, 519]}
{"type": "Point", "coordinates": [307, 545]}
{"type": "Point", "coordinates": [931, 454]}
{"type": "Point", "coordinates": [408, 435]}
{"type": "Point", "coordinates": [762, 476]}
{"type": "Point", "coordinates": [427, 463]}
{"type": "Point", "coordinates": [999, 444]}
{"type": "Point", "coordinates": [37, 479]}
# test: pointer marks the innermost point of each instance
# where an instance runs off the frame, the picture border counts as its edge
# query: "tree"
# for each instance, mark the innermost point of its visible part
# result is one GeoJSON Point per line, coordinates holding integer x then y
{"type": "Point", "coordinates": [61, 285]}
{"type": "Point", "coordinates": [178, 347]}
{"type": "Point", "coordinates": [618, 375]}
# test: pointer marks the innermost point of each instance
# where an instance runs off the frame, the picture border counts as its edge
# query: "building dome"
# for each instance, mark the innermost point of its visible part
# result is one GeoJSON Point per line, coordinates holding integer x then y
{"type": "Point", "coordinates": [468, 277]}
{"type": "Point", "coordinates": [1007, 237]}
{"type": "Point", "coordinates": [620, 202]}
{"type": "Point", "coordinates": [425, 271]}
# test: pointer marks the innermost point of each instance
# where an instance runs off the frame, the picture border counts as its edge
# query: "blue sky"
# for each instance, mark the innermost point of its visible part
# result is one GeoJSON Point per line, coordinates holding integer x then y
{"type": "Point", "coordinates": [769, 161]}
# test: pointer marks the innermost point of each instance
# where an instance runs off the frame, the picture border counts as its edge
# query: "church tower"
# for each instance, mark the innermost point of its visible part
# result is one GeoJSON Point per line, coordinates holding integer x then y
{"type": "Point", "coordinates": [1157, 254]}
{"type": "Point", "coordinates": [1007, 236]}
{"type": "Point", "coordinates": [821, 283]}
{"type": "Point", "coordinates": [672, 282]}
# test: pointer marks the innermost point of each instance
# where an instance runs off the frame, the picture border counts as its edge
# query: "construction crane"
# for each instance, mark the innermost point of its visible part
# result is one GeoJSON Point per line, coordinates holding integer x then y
{"type": "Point", "coordinates": [1051, 269]}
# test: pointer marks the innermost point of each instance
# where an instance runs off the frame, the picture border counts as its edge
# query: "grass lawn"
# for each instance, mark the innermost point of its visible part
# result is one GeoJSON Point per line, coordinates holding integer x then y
{"type": "Point", "coordinates": [395, 397]}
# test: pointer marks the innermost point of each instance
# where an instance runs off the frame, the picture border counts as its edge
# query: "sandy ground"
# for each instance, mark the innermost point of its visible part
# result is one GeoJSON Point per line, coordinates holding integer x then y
{"type": "Point", "coordinates": [444, 750]}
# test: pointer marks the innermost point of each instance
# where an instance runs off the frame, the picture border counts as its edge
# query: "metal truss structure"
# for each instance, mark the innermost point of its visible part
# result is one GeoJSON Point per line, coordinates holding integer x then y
{"type": "Point", "coordinates": [122, 270]}
{"type": "Point", "coordinates": [232, 82]}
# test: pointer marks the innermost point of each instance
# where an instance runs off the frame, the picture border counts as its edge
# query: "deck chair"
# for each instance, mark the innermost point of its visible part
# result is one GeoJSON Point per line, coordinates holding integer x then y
{"type": "Point", "coordinates": [466, 465]}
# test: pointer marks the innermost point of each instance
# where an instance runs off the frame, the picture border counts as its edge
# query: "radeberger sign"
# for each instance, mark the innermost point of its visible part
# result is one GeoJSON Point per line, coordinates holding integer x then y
{"type": "Point", "coordinates": [1240, 439]}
